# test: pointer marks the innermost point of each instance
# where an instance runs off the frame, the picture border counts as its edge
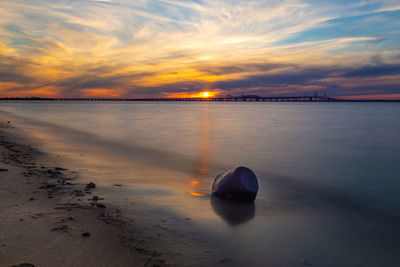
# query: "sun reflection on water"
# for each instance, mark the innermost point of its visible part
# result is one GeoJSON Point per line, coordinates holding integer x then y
{"type": "Point", "coordinates": [203, 167]}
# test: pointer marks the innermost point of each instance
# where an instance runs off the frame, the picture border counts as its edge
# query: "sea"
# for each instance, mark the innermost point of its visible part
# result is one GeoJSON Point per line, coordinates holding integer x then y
{"type": "Point", "coordinates": [328, 173]}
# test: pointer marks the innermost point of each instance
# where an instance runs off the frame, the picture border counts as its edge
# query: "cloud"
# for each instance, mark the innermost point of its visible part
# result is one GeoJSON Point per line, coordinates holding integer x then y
{"type": "Point", "coordinates": [375, 70]}
{"type": "Point", "coordinates": [150, 47]}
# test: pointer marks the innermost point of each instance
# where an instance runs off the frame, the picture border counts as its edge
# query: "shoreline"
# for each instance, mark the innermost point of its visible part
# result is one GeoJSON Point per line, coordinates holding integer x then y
{"type": "Point", "coordinates": [49, 219]}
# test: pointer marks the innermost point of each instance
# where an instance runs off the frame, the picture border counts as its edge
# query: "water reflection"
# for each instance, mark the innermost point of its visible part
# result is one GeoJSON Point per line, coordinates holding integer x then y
{"type": "Point", "coordinates": [234, 213]}
{"type": "Point", "coordinates": [205, 147]}
{"type": "Point", "coordinates": [203, 167]}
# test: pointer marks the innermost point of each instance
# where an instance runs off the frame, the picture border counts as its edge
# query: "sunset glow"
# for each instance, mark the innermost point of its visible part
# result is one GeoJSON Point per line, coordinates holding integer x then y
{"type": "Point", "coordinates": [205, 94]}
{"type": "Point", "coordinates": [174, 48]}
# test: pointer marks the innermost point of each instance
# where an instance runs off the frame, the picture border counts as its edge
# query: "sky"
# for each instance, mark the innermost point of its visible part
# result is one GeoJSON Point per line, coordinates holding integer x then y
{"type": "Point", "coordinates": [176, 48]}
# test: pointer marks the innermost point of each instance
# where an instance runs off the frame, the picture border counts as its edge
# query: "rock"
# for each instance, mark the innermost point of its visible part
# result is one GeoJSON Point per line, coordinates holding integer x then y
{"type": "Point", "coordinates": [23, 265]}
{"type": "Point", "coordinates": [239, 184]}
{"type": "Point", "coordinates": [3, 170]}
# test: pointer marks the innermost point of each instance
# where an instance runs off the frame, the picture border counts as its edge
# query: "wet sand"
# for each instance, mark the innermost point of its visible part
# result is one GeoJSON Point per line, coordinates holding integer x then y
{"type": "Point", "coordinates": [48, 219]}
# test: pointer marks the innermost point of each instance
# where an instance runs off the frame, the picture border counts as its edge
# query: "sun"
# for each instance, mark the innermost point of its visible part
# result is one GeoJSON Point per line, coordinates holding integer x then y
{"type": "Point", "coordinates": [205, 94]}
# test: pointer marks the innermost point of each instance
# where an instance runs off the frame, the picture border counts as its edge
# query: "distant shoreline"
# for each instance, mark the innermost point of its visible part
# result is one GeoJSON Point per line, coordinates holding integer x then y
{"type": "Point", "coordinates": [213, 99]}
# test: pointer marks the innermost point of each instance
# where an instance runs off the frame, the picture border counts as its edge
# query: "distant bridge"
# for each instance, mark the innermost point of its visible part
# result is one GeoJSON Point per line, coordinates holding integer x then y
{"type": "Point", "coordinates": [212, 99]}
{"type": "Point", "coordinates": [248, 98]}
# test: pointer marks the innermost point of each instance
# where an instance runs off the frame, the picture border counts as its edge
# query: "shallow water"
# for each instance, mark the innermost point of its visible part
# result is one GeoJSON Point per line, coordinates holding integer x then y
{"type": "Point", "coordinates": [329, 173]}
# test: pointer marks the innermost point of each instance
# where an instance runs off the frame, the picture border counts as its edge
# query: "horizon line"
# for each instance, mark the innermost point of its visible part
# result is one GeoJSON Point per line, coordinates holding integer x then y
{"type": "Point", "coordinates": [248, 98]}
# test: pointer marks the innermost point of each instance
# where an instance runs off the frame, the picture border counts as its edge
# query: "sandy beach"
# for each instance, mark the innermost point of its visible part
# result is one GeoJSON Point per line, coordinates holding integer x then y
{"type": "Point", "coordinates": [47, 219]}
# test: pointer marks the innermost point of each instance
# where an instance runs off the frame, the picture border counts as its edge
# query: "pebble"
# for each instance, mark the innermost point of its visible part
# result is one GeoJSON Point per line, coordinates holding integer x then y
{"type": "Point", "coordinates": [85, 234]}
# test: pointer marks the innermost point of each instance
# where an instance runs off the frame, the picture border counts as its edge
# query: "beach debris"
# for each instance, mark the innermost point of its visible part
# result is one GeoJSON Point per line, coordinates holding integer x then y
{"type": "Point", "coordinates": [59, 169]}
{"type": "Point", "coordinates": [86, 234]}
{"type": "Point", "coordinates": [239, 184]}
{"type": "Point", "coordinates": [65, 182]}
{"type": "Point", "coordinates": [23, 265]}
{"type": "Point", "coordinates": [32, 198]}
{"type": "Point", "coordinates": [37, 215]}
{"type": "Point", "coordinates": [117, 184]}
{"type": "Point", "coordinates": [61, 228]}
{"type": "Point", "coordinates": [89, 187]}
{"type": "Point", "coordinates": [3, 170]}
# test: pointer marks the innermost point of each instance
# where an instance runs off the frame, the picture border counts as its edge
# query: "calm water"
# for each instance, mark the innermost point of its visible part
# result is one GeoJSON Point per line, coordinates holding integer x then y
{"type": "Point", "coordinates": [329, 173]}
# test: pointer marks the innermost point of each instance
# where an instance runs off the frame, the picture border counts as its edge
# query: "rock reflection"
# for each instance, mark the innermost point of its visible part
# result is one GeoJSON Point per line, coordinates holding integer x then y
{"type": "Point", "coordinates": [234, 213]}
